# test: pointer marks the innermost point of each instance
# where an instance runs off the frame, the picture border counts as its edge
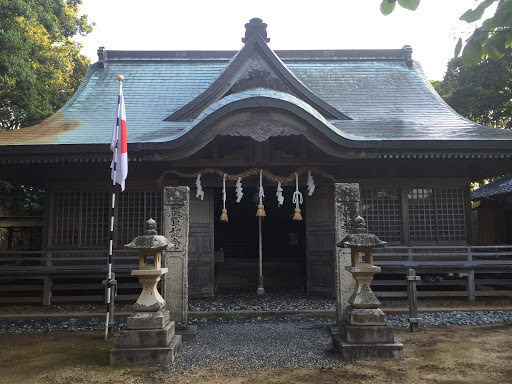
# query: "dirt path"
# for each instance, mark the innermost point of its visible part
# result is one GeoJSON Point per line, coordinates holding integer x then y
{"type": "Point", "coordinates": [443, 354]}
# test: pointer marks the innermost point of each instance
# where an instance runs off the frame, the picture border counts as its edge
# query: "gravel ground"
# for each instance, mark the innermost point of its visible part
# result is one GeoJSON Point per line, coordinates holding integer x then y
{"type": "Point", "coordinates": [250, 345]}
{"type": "Point", "coordinates": [52, 325]}
{"type": "Point", "coordinates": [246, 300]}
{"type": "Point", "coordinates": [428, 319]}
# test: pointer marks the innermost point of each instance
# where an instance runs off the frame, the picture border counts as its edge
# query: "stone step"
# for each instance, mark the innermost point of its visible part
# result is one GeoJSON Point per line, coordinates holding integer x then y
{"type": "Point", "coordinates": [145, 338]}
{"type": "Point", "coordinates": [146, 356]}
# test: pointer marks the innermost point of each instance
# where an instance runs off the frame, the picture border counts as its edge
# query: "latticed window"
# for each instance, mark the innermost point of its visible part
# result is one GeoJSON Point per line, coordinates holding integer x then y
{"type": "Point", "coordinates": [450, 213]}
{"type": "Point", "coordinates": [381, 210]}
{"type": "Point", "coordinates": [422, 219]}
{"type": "Point", "coordinates": [79, 219]}
{"type": "Point", "coordinates": [94, 228]}
{"type": "Point", "coordinates": [436, 214]}
{"type": "Point", "coordinates": [82, 219]}
{"type": "Point", "coordinates": [134, 208]}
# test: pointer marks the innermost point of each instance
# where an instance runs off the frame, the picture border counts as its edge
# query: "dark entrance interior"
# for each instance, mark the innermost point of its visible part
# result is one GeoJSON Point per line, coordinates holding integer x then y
{"type": "Point", "coordinates": [236, 242]}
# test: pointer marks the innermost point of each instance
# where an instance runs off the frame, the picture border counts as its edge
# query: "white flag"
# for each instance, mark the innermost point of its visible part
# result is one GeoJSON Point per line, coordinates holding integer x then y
{"type": "Point", "coordinates": [121, 161]}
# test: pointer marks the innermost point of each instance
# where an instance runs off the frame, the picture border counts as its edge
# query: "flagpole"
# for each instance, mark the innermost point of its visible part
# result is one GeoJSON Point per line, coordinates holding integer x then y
{"type": "Point", "coordinates": [109, 316]}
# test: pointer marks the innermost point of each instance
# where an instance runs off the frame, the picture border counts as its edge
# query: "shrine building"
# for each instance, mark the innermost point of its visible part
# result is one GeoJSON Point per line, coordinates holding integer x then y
{"type": "Point", "coordinates": [325, 116]}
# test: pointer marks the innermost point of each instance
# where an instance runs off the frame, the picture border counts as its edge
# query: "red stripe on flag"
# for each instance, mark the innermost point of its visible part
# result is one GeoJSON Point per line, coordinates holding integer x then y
{"type": "Point", "coordinates": [124, 141]}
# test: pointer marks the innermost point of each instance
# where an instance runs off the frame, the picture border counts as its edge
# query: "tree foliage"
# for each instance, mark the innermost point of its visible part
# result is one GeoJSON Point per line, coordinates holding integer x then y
{"type": "Point", "coordinates": [489, 41]}
{"type": "Point", "coordinates": [388, 6]}
{"type": "Point", "coordinates": [20, 200]}
{"type": "Point", "coordinates": [40, 65]}
{"type": "Point", "coordinates": [481, 93]}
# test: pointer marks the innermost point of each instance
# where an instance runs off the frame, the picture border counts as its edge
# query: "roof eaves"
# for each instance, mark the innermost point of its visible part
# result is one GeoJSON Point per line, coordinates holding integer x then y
{"type": "Point", "coordinates": [500, 186]}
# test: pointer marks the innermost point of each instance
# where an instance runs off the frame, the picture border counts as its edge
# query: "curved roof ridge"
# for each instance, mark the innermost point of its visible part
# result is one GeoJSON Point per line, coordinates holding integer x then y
{"type": "Point", "coordinates": [263, 93]}
{"type": "Point", "coordinates": [221, 85]}
{"type": "Point", "coordinates": [269, 93]}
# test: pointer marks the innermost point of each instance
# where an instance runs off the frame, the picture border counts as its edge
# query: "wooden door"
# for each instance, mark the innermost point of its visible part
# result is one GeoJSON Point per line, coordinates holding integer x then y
{"type": "Point", "coordinates": [200, 247]}
{"type": "Point", "coordinates": [320, 241]}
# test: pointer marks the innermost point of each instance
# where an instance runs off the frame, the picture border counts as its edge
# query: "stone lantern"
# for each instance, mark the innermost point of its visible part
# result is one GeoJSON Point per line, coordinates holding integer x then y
{"type": "Point", "coordinates": [150, 247]}
{"type": "Point", "coordinates": [150, 338]}
{"type": "Point", "coordinates": [363, 333]}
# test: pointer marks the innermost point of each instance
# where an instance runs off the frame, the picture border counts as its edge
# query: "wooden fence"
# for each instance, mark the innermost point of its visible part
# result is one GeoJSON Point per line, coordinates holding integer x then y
{"type": "Point", "coordinates": [76, 276]}
{"type": "Point", "coordinates": [468, 271]}
{"type": "Point", "coordinates": [64, 276]}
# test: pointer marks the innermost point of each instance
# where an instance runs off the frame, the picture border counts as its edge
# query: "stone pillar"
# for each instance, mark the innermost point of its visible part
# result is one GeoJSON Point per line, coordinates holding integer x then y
{"type": "Point", "coordinates": [346, 209]}
{"type": "Point", "coordinates": [176, 224]}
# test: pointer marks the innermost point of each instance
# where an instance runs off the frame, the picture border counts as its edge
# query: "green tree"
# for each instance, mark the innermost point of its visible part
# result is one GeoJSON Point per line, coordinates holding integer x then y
{"type": "Point", "coordinates": [40, 65]}
{"type": "Point", "coordinates": [489, 41]}
{"type": "Point", "coordinates": [21, 200]}
{"type": "Point", "coordinates": [481, 93]}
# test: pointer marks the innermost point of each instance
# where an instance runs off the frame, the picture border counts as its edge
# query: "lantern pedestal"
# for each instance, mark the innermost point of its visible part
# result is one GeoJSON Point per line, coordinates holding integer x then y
{"type": "Point", "coordinates": [150, 299]}
{"type": "Point", "coordinates": [363, 297]}
{"type": "Point", "coordinates": [150, 337]}
{"type": "Point", "coordinates": [363, 333]}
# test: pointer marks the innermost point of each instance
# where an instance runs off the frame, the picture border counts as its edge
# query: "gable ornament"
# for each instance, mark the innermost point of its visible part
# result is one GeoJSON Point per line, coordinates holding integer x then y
{"type": "Point", "coordinates": [259, 130]}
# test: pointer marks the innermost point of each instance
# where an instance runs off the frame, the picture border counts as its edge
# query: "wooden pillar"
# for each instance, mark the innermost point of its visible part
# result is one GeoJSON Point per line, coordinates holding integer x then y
{"type": "Point", "coordinates": [471, 289]}
{"type": "Point", "coordinates": [47, 280]}
{"type": "Point", "coordinates": [47, 289]}
{"type": "Point", "coordinates": [413, 299]}
{"type": "Point", "coordinates": [471, 285]}
{"type": "Point", "coordinates": [404, 190]}
{"type": "Point", "coordinates": [468, 214]}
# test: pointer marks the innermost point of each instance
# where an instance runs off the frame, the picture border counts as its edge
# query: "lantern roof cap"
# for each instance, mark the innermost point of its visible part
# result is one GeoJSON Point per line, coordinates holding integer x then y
{"type": "Point", "coordinates": [359, 237]}
{"type": "Point", "coordinates": [150, 240]}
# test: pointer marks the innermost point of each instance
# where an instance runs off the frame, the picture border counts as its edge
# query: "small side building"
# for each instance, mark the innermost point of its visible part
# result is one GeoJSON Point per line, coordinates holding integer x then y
{"type": "Point", "coordinates": [494, 211]}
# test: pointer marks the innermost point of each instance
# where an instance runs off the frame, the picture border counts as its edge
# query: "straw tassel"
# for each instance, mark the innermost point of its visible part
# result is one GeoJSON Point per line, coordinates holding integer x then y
{"type": "Point", "coordinates": [297, 199]}
{"type": "Point", "coordinates": [261, 209]}
{"type": "Point", "coordinates": [224, 215]}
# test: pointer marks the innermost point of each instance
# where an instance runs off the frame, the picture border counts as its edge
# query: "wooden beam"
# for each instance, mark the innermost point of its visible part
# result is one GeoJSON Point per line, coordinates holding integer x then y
{"type": "Point", "coordinates": [21, 221]}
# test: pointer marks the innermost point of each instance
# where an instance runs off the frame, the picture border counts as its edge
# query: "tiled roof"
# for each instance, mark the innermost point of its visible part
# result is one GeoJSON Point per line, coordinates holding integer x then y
{"type": "Point", "coordinates": [500, 186]}
{"type": "Point", "coordinates": [388, 102]}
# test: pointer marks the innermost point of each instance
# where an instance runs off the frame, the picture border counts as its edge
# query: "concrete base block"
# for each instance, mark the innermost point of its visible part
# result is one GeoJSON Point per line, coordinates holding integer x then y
{"type": "Point", "coordinates": [148, 320]}
{"type": "Point", "coordinates": [145, 356]}
{"type": "Point", "coordinates": [366, 334]}
{"type": "Point", "coordinates": [146, 338]}
{"type": "Point", "coordinates": [359, 316]}
{"type": "Point", "coordinates": [350, 352]}
{"type": "Point", "coordinates": [187, 333]}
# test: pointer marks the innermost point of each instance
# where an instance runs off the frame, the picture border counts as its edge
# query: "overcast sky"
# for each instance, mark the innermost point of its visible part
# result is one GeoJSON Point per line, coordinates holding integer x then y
{"type": "Point", "coordinates": [432, 30]}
